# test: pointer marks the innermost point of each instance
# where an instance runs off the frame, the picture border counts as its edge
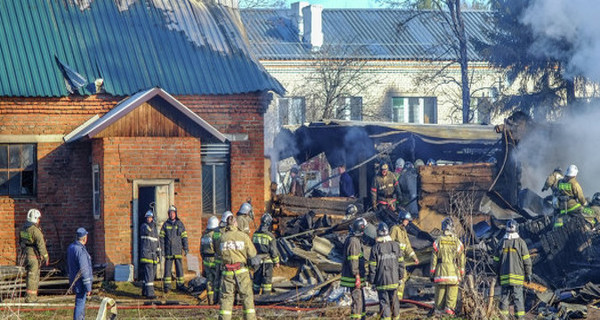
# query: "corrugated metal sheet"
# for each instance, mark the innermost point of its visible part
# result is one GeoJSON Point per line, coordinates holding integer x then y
{"type": "Point", "coordinates": [363, 33]}
{"type": "Point", "coordinates": [186, 47]}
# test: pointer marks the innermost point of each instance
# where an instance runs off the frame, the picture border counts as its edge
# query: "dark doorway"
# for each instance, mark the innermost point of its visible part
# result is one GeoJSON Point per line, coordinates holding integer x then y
{"type": "Point", "coordinates": [146, 200]}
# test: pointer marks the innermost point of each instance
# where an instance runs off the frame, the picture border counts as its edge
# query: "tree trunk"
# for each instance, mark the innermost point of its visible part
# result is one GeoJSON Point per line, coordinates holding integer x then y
{"type": "Point", "coordinates": [464, 63]}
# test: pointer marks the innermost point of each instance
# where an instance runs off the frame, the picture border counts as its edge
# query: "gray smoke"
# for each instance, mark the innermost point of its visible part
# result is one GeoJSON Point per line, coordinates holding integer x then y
{"type": "Point", "coordinates": [572, 22]}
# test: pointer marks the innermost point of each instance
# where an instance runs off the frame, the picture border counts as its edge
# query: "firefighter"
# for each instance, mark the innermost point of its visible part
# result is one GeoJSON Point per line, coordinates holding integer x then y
{"type": "Point", "coordinates": [552, 180]}
{"type": "Point", "coordinates": [209, 258]}
{"type": "Point", "coordinates": [244, 216]}
{"type": "Point", "coordinates": [266, 246]}
{"type": "Point", "coordinates": [591, 213]}
{"type": "Point", "coordinates": [570, 196]}
{"type": "Point", "coordinates": [447, 267]}
{"type": "Point", "coordinates": [386, 268]}
{"type": "Point", "coordinates": [513, 265]}
{"type": "Point", "coordinates": [33, 248]}
{"type": "Point", "coordinates": [400, 235]}
{"type": "Point", "coordinates": [150, 254]}
{"type": "Point", "coordinates": [399, 167]}
{"type": "Point", "coordinates": [353, 268]}
{"type": "Point", "coordinates": [174, 241]}
{"type": "Point", "coordinates": [235, 250]}
{"type": "Point", "coordinates": [385, 190]}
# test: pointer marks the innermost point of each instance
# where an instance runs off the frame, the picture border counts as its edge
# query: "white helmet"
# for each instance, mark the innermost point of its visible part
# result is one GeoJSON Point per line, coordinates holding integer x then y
{"type": "Point", "coordinates": [226, 216]}
{"type": "Point", "coordinates": [149, 213]}
{"type": "Point", "coordinates": [572, 171]}
{"type": "Point", "coordinates": [213, 223]}
{"type": "Point", "coordinates": [399, 163]}
{"type": "Point", "coordinates": [33, 215]}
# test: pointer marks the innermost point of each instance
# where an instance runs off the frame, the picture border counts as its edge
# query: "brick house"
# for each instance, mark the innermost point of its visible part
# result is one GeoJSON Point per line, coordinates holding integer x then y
{"type": "Point", "coordinates": [109, 108]}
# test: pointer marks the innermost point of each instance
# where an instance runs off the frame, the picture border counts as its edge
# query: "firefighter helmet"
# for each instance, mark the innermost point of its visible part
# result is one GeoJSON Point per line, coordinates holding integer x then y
{"type": "Point", "coordinates": [399, 163]}
{"type": "Point", "coordinates": [351, 210]}
{"type": "Point", "coordinates": [226, 215]}
{"type": "Point", "coordinates": [172, 208]}
{"type": "Point", "coordinates": [596, 199]}
{"type": "Point", "coordinates": [149, 213]}
{"type": "Point", "coordinates": [404, 215]}
{"type": "Point", "coordinates": [266, 219]}
{"type": "Point", "coordinates": [295, 169]}
{"type": "Point", "coordinates": [408, 165]}
{"type": "Point", "coordinates": [511, 226]}
{"type": "Point", "coordinates": [384, 166]}
{"type": "Point", "coordinates": [359, 226]}
{"type": "Point", "coordinates": [572, 171]}
{"type": "Point", "coordinates": [558, 169]}
{"type": "Point", "coordinates": [33, 215]}
{"type": "Point", "coordinates": [447, 224]}
{"type": "Point", "coordinates": [245, 208]}
{"type": "Point", "coordinates": [431, 162]}
{"type": "Point", "coordinates": [213, 223]}
{"type": "Point", "coordinates": [382, 229]}
{"type": "Point", "coordinates": [419, 163]}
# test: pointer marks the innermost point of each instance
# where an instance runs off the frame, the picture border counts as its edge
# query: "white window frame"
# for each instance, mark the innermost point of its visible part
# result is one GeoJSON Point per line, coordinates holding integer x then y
{"type": "Point", "coordinates": [293, 102]}
{"type": "Point", "coordinates": [96, 191]}
{"type": "Point", "coordinates": [420, 114]}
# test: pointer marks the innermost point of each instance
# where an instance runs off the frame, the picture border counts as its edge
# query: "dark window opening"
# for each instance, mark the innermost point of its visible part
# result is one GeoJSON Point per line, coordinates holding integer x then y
{"type": "Point", "coordinates": [216, 194]}
{"type": "Point", "coordinates": [18, 163]}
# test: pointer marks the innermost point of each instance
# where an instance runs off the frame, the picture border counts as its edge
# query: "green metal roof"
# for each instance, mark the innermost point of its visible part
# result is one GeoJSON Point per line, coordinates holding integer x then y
{"type": "Point", "coordinates": [186, 47]}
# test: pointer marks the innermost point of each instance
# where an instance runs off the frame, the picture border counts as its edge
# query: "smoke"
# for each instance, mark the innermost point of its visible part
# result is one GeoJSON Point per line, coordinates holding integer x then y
{"type": "Point", "coordinates": [572, 140]}
{"type": "Point", "coordinates": [567, 30]}
{"type": "Point", "coordinates": [358, 146]}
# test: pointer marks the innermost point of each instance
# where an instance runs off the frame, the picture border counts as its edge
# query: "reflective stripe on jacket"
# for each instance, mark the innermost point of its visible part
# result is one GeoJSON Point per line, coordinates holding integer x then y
{"type": "Point", "coordinates": [266, 244]}
{"type": "Point", "coordinates": [354, 262]}
{"type": "Point", "coordinates": [173, 238]}
{"type": "Point", "coordinates": [32, 241]}
{"type": "Point", "coordinates": [235, 247]}
{"type": "Point", "coordinates": [571, 190]}
{"type": "Point", "coordinates": [399, 234]}
{"type": "Point", "coordinates": [149, 244]}
{"type": "Point", "coordinates": [385, 264]}
{"type": "Point", "coordinates": [512, 259]}
{"type": "Point", "coordinates": [447, 259]}
{"type": "Point", "coordinates": [384, 188]}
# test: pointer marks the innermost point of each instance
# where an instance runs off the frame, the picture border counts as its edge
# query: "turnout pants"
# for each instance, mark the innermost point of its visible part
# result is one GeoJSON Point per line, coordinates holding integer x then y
{"type": "Point", "coordinates": [232, 281]}
{"type": "Point", "coordinates": [358, 308]}
{"type": "Point", "coordinates": [389, 305]}
{"type": "Point", "coordinates": [401, 285]}
{"type": "Point", "coordinates": [446, 296]}
{"type": "Point", "coordinates": [514, 294]}
{"type": "Point", "coordinates": [32, 265]}
{"type": "Point", "coordinates": [149, 274]}
{"type": "Point", "coordinates": [179, 271]}
{"type": "Point", "coordinates": [263, 278]}
{"type": "Point", "coordinates": [211, 272]}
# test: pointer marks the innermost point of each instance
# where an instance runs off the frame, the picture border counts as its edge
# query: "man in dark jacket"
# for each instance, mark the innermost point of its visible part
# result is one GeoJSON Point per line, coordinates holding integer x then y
{"type": "Point", "coordinates": [346, 183]}
{"type": "Point", "coordinates": [174, 241]}
{"type": "Point", "coordinates": [266, 247]}
{"type": "Point", "coordinates": [353, 268]}
{"type": "Point", "coordinates": [150, 254]}
{"type": "Point", "coordinates": [80, 272]}
{"type": "Point", "coordinates": [408, 185]}
{"type": "Point", "coordinates": [386, 269]}
{"type": "Point", "coordinates": [514, 266]}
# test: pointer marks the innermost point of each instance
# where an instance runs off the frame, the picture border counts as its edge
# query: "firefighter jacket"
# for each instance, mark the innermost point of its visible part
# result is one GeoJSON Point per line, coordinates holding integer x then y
{"type": "Point", "coordinates": [447, 259]}
{"type": "Point", "coordinates": [385, 190]}
{"type": "Point", "coordinates": [173, 239]}
{"type": "Point", "coordinates": [150, 245]}
{"type": "Point", "coordinates": [591, 214]}
{"type": "Point", "coordinates": [208, 247]}
{"type": "Point", "coordinates": [32, 241]}
{"type": "Point", "coordinates": [552, 182]}
{"type": "Point", "coordinates": [386, 264]}
{"type": "Point", "coordinates": [354, 262]}
{"type": "Point", "coordinates": [235, 247]}
{"type": "Point", "coordinates": [512, 260]}
{"type": "Point", "coordinates": [243, 221]}
{"type": "Point", "coordinates": [266, 245]}
{"type": "Point", "coordinates": [570, 195]}
{"type": "Point", "coordinates": [79, 263]}
{"type": "Point", "coordinates": [398, 234]}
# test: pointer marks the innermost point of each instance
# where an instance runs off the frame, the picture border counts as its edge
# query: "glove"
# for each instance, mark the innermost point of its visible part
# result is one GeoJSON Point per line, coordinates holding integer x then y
{"type": "Point", "coordinates": [357, 282]}
{"type": "Point", "coordinates": [529, 280]}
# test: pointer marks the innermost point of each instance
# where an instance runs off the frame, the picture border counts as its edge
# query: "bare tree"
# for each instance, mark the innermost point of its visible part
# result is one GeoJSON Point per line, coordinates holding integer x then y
{"type": "Point", "coordinates": [336, 84]}
{"type": "Point", "coordinates": [262, 3]}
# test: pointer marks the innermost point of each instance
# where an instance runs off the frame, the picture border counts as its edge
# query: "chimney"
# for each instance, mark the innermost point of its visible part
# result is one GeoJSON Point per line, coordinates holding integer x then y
{"type": "Point", "coordinates": [297, 17]}
{"type": "Point", "coordinates": [313, 26]}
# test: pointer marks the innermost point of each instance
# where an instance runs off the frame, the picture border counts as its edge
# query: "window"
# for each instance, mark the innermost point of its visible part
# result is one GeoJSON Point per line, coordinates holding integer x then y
{"type": "Point", "coordinates": [292, 110]}
{"type": "Point", "coordinates": [349, 108]}
{"type": "Point", "coordinates": [482, 110]}
{"type": "Point", "coordinates": [414, 109]}
{"type": "Point", "coordinates": [96, 190]}
{"type": "Point", "coordinates": [215, 178]}
{"type": "Point", "coordinates": [18, 164]}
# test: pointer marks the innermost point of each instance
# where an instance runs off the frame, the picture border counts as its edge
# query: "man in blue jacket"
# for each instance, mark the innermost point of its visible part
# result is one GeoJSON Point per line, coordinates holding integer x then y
{"type": "Point", "coordinates": [80, 272]}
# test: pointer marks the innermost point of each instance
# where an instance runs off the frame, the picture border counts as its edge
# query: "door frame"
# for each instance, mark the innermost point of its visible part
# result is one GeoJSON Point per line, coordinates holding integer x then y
{"type": "Point", "coordinates": [137, 183]}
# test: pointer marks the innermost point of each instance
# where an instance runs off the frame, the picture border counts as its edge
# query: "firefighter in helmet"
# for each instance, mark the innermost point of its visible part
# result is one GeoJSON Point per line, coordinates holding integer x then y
{"type": "Point", "coordinates": [33, 248]}
{"type": "Point", "coordinates": [591, 213]}
{"type": "Point", "coordinates": [353, 268]}
{"type": "Point", "coordinates": [513, 266]}
{"type": "Point", "coordinates": [385, 190]}
{"type": "Point", "coordinates": [266, 246]}
{"type": "Point", "coordinates": [244, 216]}
{"type": "Point", "coordinates": [386, 267]}
{"type": "Point", "coordinates": [553, 180]}
{"type": "Point", "coordinates": [400, 235]}
{"type": "Point", "coordinates": [150, 253]}
{"type": "Point", "coordinates": [210, 260]}
{"type": "Point", "coordinates": [174, 241]}
{"type": "Point", "coordinates": [571, 199]}
{"type": "Point", "coordinates": [235, 250]}
{"type": "Point", "coordinates": [447, 267]}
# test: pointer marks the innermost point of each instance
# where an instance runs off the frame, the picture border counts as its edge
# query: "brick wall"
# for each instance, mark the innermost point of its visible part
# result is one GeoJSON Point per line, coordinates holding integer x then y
{"type": "Point", "coordinates": [64, 171]}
